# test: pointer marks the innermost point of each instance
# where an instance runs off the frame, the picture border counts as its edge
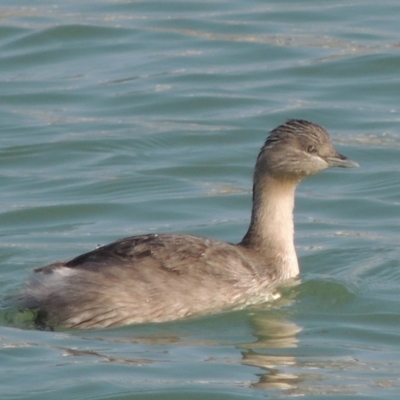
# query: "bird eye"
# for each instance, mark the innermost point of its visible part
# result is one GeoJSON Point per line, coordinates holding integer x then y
{"type": "Point", "coordinates": [311, 149]}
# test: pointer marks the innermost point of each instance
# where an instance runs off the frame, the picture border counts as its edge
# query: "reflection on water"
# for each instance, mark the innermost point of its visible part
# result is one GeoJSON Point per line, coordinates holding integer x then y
{"type": "Point", "coordinates": [166, 344]}
{"type": "Point", "coordinates": [272, 343]}
{"type": "Point", "coordinates": [273, 335]}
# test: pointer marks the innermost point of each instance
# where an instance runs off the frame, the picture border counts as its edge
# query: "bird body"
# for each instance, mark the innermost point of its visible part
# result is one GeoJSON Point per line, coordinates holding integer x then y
{"type": "Point", "coordinates": [171, 276]}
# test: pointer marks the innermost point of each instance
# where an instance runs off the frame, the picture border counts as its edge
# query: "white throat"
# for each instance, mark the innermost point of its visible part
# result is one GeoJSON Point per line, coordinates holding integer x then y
{"type": "Point", "coordinates": [272, 228]}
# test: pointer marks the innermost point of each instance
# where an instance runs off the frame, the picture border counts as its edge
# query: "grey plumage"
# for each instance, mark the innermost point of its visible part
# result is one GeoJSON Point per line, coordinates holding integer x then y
{"type": "Point", "coordinates": [160, 277]}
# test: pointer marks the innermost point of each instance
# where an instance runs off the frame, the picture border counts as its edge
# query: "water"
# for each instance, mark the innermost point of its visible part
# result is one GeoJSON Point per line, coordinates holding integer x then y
{"type": "Point", "coordinates": [121, 117]}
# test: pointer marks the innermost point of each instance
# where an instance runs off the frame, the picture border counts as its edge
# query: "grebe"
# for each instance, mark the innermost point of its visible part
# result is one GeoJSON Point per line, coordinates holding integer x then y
{"type": "Point", "coordinates": [162, 277]}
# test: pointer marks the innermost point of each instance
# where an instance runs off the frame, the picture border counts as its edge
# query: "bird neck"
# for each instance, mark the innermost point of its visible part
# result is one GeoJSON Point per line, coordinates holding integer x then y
{"type": "Point", "coordinates": [271, 230]}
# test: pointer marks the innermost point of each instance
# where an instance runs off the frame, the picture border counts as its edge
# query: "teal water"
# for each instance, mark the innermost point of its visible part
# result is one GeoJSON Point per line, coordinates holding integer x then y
{"type": "Point", "coordinates": [126, 117]}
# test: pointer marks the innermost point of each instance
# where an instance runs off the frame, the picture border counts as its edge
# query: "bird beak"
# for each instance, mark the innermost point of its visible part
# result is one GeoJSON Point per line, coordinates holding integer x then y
{"type": "Point", "coordinates": [340, 161]}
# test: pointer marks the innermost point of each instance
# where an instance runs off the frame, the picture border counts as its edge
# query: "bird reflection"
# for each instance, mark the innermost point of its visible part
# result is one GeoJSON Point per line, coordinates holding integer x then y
{"type": "Point", "coordinates": [268, 352]}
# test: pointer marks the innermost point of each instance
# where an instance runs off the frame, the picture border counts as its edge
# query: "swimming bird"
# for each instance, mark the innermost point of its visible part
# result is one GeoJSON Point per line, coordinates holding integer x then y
{"type": "Point", "coordinates": [162, 277]}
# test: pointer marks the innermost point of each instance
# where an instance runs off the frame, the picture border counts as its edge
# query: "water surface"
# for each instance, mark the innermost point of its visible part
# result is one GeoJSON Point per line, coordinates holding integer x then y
{"type": "Point", "coordinates": [126, 117]}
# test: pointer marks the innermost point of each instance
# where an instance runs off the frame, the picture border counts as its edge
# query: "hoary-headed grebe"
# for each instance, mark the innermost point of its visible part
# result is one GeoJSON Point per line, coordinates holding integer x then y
{"type": "Point", "coordinates": [162, 277]}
